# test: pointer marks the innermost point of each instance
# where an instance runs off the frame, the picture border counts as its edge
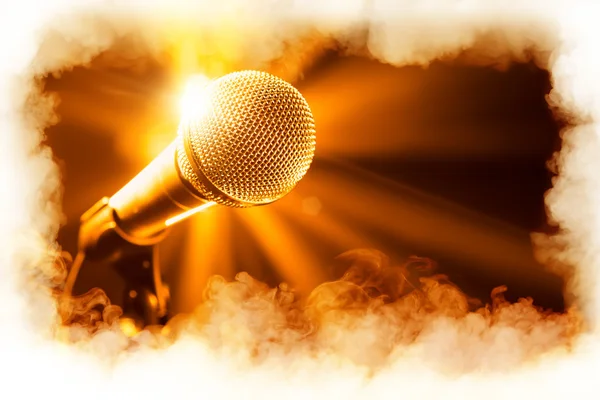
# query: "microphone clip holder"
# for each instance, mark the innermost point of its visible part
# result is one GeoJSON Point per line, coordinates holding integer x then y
{"type": "Point", "coordinates": [145, 296]}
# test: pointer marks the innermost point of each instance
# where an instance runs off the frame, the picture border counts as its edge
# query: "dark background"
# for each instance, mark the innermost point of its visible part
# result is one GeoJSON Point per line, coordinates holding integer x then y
{"type": "Point", "coordinates": [446, 162]}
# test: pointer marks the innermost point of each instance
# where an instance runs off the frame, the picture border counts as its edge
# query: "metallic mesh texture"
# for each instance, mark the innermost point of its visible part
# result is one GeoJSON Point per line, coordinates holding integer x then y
{"type": "Point", "coordinates": [253, 140]}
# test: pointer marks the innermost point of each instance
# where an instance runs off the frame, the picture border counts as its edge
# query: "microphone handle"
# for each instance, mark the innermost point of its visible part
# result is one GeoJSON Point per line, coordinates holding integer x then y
{"type": "Point", "coordinates": [138, 212]}
{"type": "Point", "coordinates": [157, 194]}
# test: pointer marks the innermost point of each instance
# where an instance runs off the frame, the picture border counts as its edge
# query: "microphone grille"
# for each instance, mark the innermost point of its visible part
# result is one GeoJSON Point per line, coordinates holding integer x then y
{"type": "Point", "coordinates": [251, 143]}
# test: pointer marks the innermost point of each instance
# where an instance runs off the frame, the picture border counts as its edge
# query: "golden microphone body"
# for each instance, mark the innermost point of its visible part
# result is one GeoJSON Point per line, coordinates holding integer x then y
{"type": "Point", "coordinates": [248, 142]}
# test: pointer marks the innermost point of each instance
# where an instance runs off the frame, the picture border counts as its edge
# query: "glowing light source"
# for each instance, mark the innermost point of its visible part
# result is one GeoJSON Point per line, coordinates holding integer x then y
{"type": "Point", "coordinates": [193, 99]}
{"type": "Point", "coordinates": [188, 213]}
{"type": "Point", "coordinates": [128, 327]}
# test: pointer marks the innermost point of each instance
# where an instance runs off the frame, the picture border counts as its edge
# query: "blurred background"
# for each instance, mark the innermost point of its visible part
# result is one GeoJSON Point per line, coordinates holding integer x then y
{"type": "Point", "coordinates": [446, 162]}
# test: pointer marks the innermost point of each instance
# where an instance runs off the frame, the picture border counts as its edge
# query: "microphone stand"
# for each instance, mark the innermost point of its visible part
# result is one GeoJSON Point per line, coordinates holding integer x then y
{"type": "Point", "coordinates": [145, 296]}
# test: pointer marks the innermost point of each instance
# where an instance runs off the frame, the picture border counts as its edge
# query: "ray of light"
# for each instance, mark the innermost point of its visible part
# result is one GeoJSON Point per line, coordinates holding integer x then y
{"type": "Point", "coordinates": [207, 252]}
{"type": "Point", "coordinates": [304, 212]}
{"type": "Point", "coordinates": [418, 113]}
{"type": "Point", "coordinates": [411, 216]}
{"type": "Point", "coordinates": [291, 257]}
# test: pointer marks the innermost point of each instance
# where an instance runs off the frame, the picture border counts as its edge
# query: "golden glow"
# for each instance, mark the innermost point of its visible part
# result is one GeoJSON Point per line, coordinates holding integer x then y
{"type": "Point", "coordinates": [248, 318]}
{"type": "Point", "coordinates": [128, 326]}
{"type": "Point", "coordinates": [193, 99]}
{"type": "Point", "coordinates": [155, 139]}
{"type": "Point", "coordinates": [188, 213]}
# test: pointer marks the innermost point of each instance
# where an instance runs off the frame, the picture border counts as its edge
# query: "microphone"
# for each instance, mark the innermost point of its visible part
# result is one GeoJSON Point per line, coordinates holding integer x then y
{"type": "Point", "coordinates": [249, 140]}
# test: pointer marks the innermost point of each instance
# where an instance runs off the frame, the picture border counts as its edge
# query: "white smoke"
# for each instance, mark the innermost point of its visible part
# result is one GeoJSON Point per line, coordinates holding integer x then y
{"type": "Point", "coordinates": [53, 36]}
